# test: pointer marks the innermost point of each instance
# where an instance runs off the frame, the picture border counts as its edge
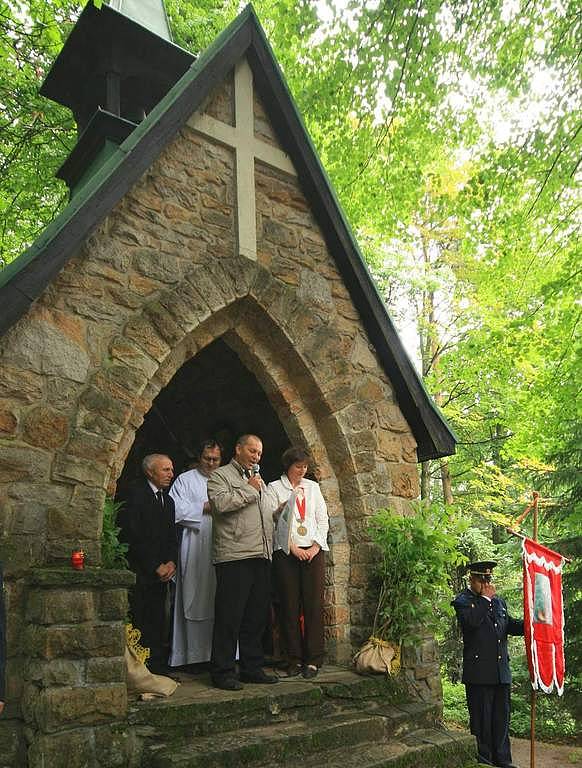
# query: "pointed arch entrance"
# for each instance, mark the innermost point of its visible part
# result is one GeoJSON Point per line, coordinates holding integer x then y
{"type": "Point", "coordinates": [212, 395]}
{"type": "Point", "coordinates": [237, 372]}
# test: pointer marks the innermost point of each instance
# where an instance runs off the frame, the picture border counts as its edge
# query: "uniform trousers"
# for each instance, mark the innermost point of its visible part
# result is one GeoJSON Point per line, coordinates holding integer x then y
{"type": "Point", "coordinates": [299, 585]}
{"type": "Point", "coordinates": [243, 595]}
{"type": "Point", "coordinates": [147, 605]}
{"type": "Point", "coordinates": [489, 713]}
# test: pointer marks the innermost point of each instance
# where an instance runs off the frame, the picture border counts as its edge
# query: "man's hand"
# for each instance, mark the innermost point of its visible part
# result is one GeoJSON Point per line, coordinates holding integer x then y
{"type": "Point", "coordinates": [206, 509]}
{"type": "Point", "coordinates": [1, 707]}
{"type": "Point", "coordinates": [256, 481]}
{"type": "Point", "coordinates": [488, 589]}
{"type": "Point", "coordinates": [165, 571]}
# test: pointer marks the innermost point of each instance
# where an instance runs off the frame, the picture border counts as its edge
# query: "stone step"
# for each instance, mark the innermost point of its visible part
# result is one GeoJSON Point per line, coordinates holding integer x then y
{"type": "Point", "coordinates": [426, 748]}
{"type": "Point", "coordinates": [197, 709]}
{"type": "Point", "coordinates": [270, 744]}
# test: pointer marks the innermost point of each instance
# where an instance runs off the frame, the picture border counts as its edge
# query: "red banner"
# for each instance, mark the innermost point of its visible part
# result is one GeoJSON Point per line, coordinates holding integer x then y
{"type": "Point", "coordinates": [543, 616]}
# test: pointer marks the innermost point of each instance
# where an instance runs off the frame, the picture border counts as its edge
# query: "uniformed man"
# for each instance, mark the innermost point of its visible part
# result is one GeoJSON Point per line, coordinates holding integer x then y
{"type": "Point", "coordinates": [485, 624]}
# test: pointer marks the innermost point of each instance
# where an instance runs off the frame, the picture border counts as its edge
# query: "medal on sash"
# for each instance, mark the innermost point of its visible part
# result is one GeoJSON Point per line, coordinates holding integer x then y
{"type": "Point", "coordinates": [300, 501]}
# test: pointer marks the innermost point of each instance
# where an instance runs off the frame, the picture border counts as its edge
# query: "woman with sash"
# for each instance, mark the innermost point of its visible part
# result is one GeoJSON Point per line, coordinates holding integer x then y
{"type": "Point", "coordinates": [300, 574]}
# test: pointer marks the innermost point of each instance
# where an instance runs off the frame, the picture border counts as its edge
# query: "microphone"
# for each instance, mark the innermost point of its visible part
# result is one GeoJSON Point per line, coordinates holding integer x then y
{"type": "Point", "coordinates": [256, 469]}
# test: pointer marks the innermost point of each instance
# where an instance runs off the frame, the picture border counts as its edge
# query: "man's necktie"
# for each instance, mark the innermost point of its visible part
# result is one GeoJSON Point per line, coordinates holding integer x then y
{"type": "Point", "coordinates": [160, 496]}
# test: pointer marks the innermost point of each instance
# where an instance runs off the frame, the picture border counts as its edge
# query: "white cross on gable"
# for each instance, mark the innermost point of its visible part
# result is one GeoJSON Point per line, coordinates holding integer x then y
{"type": "Point", "coordinates": [247, 148]}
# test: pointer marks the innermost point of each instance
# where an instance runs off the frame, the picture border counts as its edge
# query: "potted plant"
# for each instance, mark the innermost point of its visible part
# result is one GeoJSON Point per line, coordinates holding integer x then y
{"type": "Point", "coordinates": [409, 579]}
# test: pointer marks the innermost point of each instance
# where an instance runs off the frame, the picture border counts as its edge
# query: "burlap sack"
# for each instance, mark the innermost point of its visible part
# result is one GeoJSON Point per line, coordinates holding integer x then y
{"type": "Point", "coordinates": [377, 657]}
{"type": "Point", "coordinates": [141, 680]}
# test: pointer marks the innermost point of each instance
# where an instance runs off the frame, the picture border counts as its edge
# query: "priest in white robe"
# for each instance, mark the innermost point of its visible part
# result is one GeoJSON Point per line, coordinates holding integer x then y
{"type": "Point", "coordinates": [195, 578]}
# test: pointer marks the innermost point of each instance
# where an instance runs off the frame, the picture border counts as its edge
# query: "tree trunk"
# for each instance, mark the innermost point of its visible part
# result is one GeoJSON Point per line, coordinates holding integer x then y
{"type": "Point", "coordinates": [425, 480]}
{"type": "Point", "coordinates": [446, 482]}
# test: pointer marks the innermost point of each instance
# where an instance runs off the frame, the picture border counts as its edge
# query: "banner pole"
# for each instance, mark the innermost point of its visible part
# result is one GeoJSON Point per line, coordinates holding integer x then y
{"type": "Point", "coordinates": [533, 700]}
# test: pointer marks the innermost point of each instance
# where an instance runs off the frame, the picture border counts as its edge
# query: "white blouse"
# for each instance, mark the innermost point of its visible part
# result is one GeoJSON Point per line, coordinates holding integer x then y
{"type": "Point", "coordinates": [316, 520]}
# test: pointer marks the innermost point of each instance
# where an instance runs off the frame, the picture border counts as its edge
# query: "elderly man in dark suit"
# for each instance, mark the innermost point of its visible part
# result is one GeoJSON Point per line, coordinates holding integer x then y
{"type": "Point", "coordinates": [485, 624]}
{"type": "Point", "coordinates": [147, 526]}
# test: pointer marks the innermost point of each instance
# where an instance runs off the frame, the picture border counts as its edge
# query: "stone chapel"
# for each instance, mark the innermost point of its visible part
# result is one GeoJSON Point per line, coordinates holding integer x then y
{"type": "Point", "coordinates": [203, 280]}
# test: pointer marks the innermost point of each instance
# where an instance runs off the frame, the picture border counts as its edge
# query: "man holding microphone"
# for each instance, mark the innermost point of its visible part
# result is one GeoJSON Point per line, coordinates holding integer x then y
{"type": "Point", "coordinates": [485, 624]}
{"type": "Point", "coordinates": [242, 534]}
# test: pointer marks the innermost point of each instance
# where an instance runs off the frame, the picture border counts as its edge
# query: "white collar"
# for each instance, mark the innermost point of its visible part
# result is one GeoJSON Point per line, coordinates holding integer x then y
{"type": "Point", "coordinates": [287, 483]}
{"type": "Point", "coordinates": [155, 489]}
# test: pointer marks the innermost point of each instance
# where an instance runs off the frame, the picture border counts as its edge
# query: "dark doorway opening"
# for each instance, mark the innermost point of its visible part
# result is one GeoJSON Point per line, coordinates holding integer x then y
{"type": "Point", "coordinates": [212, 395]}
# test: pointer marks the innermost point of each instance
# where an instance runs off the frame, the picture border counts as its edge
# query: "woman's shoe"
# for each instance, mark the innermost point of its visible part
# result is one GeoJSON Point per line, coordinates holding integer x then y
{"type": "Point", "coordinates": [310, 671]}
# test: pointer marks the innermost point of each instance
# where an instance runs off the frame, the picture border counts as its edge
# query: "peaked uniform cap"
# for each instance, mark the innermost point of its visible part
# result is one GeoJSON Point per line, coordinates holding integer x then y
{"type": "Point", "coordinates": [482, 568]}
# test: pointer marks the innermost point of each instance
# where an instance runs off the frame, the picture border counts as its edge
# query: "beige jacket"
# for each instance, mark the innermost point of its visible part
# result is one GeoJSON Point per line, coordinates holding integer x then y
{"type": "Point", "coordinates": [242, 517]}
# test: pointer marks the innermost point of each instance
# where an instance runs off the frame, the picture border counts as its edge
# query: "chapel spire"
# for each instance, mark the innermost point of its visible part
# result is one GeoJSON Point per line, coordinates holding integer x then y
{"type": "Point", "coordinates": [116, 65]}
{"type": "Point", "coordinates": [151, 14]}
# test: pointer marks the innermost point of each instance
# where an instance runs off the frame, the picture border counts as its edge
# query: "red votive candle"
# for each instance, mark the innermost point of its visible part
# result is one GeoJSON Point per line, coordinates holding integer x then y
{"type": "Point", "coordinates": [78, 559]}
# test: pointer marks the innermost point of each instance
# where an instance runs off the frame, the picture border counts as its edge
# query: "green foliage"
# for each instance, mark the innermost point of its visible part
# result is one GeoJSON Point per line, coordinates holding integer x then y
{"type": "Point", "coordinates": [454, 703]}
{"type": "Point", "coordinates": [112, 550]}
{"type": "Point", "coordinates": [553, 721]}
{"type": "Point", "coordinates": [35, 134]}
{"type": "Point", "coordinates": [451, 133]}
{"type": "Point", "coordinates": [410, 575]}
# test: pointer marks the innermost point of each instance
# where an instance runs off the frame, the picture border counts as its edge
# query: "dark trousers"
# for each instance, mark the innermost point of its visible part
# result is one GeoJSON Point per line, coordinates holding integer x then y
{"type": "Point", "coordinates": [489, 713]}
{"type": "Point", "coordinates": [147, 605]}
{"type": "Point", "coordinates": [241, 607]}
{"type": "Point", "coordinates": [299, 585]}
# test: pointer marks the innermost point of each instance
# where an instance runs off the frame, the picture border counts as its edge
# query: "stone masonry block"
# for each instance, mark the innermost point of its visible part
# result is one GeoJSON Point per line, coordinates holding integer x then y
{"type": "Point", "coordinates": [12, 745]}
{"type": "Point", "coordinates": [67, 467]}
{"type": "Point", "coordinates": [142, 332]}
{"type": "Point", "coordinates": [109, 670]}
{"type": "Point", "coordinates": [20, 463]}
{"type": "Point", "coordinates": [424, 671]}
{"type": "Point", "coordinates": [405, 481]}
{"type": "Point", "coordinates": [79, 641]}
{"type": "Point", "coordinates": [335, 614]}
{"type": "Point", "coordinates": [107, 404]}
{"type": "Point", "coordinates": [56, 672]}
{"type": "Point", "coordinates": [60, 607]}
{"type": "Point", "coordinates": [57, 708]}
{"type": "Point", "coordinates": [71, 522]}
{"type": "Point", "coordinates": [45, 428]}
{"type": "Point", "coordinates": [71, 749]}
{"type": "Point", "coordinates": [113, 605]}
{"type": "Point", "coordinates": [115, 746]}
{"type": "Point", "coordinates": [429, 651]}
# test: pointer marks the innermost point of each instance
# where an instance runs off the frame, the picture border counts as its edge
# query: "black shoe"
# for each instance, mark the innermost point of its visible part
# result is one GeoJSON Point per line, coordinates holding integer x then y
{"type": "Point", "coordinates": [310, 671]}
{"type": "Point", "coordinates": [259, 676]}
{"type": "Point", "coordinates": [293, 670]}
{"type": "Point", "coordinates": [227, 683]}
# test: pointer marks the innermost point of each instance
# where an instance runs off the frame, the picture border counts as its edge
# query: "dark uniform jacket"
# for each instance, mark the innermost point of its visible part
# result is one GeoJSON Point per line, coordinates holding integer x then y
{"type": "Point", "coordinates": [149, 531]}
{"type": "Point", "coordinates": [485, 625]}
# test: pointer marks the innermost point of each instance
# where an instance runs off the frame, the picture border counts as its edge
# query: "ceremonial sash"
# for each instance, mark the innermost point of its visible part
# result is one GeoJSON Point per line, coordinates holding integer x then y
{"type": "Point", "coordinates": [543, 616]}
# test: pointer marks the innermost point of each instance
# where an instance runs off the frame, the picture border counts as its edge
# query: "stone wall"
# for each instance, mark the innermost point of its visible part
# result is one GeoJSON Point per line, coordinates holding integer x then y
{"type": "Point", "coordinates": [157, 281]}
{"type": "Point", "coordinates": [75, 696]}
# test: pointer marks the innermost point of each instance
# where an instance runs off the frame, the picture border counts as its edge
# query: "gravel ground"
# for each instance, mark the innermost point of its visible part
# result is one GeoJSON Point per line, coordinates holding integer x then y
{"type": "Point", "coordinates": [546, 755]}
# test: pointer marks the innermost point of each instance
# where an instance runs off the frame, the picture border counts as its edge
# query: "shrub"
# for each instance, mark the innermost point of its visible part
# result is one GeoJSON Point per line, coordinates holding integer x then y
{"type": "Point", "coordinates": [112, 550]}
{"type": "Point", "coordinates": [410, 577]}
